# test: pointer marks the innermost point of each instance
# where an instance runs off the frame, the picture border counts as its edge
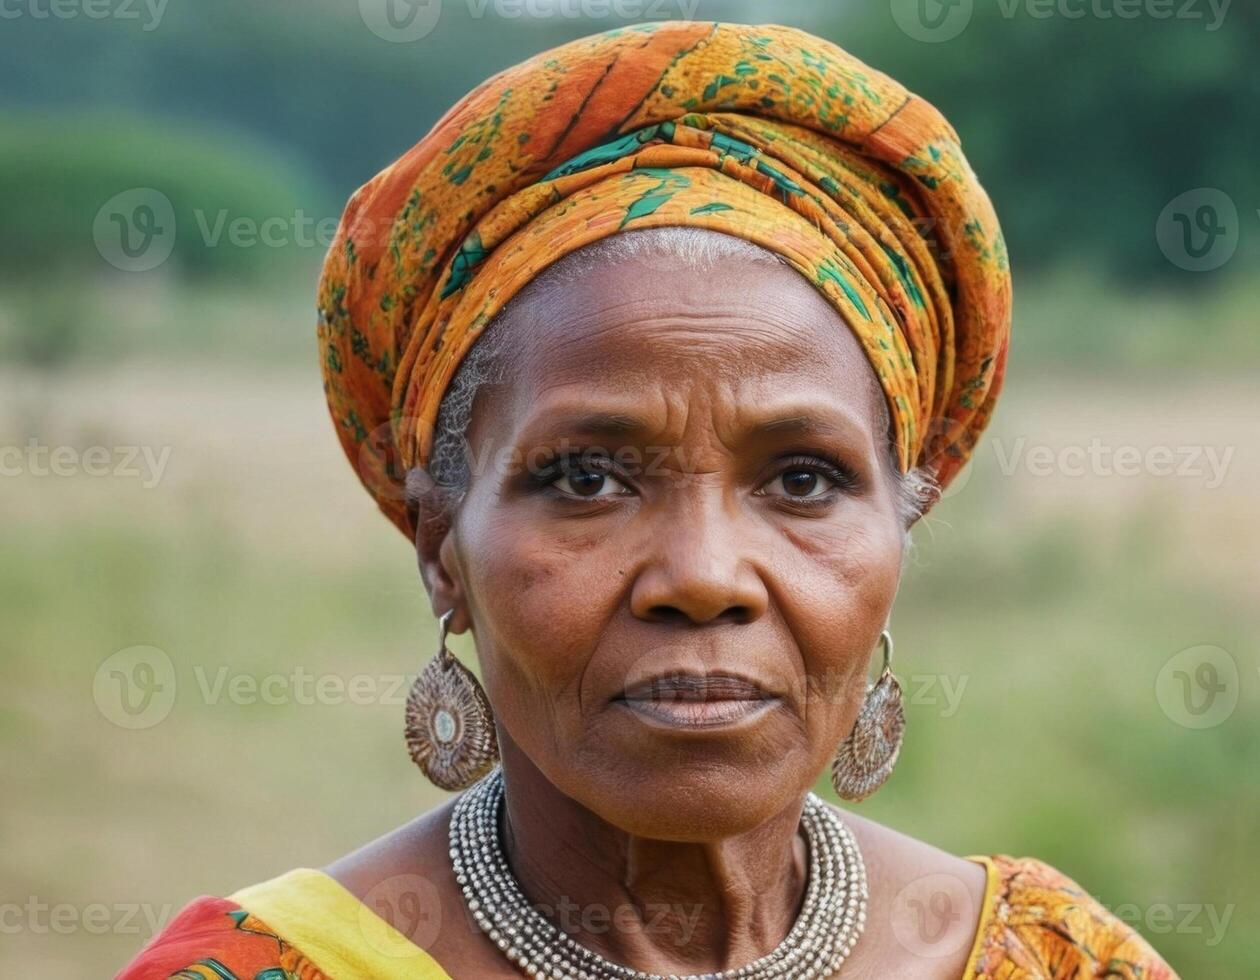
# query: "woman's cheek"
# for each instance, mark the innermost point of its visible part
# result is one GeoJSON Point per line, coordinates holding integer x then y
{"type": "Point", "coordinates": [845, 578]}
{"type": "Point", "coordinates": [856, 557]}
{"type": "Point", "coordinates": [536, 603]}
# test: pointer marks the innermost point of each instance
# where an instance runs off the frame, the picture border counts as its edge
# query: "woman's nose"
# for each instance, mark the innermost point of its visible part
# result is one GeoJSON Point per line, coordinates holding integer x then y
{"type": "Point", "coordinates": [699, 569]}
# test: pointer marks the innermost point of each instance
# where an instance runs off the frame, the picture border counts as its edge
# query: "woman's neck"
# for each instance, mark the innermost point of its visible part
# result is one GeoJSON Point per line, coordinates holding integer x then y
{"type": "Point", "coordinates": [660, 906]}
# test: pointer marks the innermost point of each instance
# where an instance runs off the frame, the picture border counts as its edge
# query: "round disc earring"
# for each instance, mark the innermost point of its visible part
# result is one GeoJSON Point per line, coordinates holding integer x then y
{"type": "Point", "coordinates": [449, 725]}
{"type": "Point", "coordinates": [866, 757]}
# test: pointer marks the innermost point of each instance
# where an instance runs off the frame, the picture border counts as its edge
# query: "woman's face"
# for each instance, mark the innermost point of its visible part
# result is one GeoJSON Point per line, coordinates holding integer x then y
{"type": "Point", "coordinates": [680, 542]}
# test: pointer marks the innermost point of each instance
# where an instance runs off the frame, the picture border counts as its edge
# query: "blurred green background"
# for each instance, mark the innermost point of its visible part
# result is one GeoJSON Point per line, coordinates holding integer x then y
{"type": "Point", "coordinates": [1077, 632]}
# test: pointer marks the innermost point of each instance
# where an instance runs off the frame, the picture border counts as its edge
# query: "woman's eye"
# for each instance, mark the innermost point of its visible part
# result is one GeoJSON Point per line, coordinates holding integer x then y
{"type": "Point", "coordinates": [811, 479]}
{"type": "Point", "coordinates": [800, 482]}
{"type": "Point", "coordinates": [587, 480]}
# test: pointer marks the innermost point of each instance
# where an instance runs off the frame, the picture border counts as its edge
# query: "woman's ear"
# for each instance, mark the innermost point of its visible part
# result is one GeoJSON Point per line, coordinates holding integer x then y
{"type": "Point", "coordinates": [432, 513]}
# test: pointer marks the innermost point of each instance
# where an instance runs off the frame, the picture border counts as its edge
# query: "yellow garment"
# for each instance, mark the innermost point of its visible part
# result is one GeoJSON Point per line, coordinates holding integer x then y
{"type": "Point", "coordinates": [765, 133]}
{"type": "Point", "coordinates": [335, 930]}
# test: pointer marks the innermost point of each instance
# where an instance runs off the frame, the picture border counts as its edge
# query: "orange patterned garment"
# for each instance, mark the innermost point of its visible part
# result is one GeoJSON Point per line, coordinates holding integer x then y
{"type": "Point", "coordinates": [1036, 924]}
{"type": "Point", "coordinates": [765, 133]}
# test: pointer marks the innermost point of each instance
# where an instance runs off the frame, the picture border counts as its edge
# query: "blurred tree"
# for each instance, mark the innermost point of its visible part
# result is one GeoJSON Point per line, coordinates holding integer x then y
{"type": "Point", "coordinates": [1082, 128]}
{"type": "Point", "coordinates": [238, 206]}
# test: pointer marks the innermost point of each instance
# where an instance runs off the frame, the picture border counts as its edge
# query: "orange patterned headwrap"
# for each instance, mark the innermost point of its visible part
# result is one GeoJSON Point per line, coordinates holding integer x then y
{"type": "Point", "coordinates": [766, 133]}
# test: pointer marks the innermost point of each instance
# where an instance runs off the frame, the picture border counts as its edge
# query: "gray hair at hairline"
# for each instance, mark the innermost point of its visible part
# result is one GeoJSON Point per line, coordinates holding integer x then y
{"type": "Point", "coordinates": [695, 249]}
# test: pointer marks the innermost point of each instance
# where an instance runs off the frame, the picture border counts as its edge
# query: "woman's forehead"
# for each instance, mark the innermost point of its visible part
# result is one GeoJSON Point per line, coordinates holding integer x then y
{"type": "Point", "coordinates": [743, 330]}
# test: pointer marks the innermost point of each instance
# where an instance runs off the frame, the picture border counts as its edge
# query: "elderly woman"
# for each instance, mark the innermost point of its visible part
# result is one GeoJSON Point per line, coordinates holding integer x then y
{"type": "Point", "coordinates": [656, 347]}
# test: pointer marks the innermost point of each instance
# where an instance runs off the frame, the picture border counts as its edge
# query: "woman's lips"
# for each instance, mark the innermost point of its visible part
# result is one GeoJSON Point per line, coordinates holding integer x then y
{"type": "Point", "coordinates": [696, 701]}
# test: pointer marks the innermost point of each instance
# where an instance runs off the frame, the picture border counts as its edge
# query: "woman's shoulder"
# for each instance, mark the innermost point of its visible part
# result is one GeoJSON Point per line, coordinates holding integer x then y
{"type": "Point", "coordinates": [1039, 919]}
{"type": "Point", "coordinates": [384, 869]}
{"type": "Point", "coordinates": [1003, 916]}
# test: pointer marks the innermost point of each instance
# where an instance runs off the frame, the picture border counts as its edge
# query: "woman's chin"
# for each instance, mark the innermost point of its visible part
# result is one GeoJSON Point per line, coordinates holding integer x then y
{"type": "Point", "coordinates": [691, 806]}
{"type": "Point", "coordinates": [689, 780]}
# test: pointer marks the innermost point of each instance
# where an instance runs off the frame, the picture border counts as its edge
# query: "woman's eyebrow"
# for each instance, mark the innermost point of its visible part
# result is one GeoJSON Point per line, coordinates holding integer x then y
{"type": "Point", "coordinates": [586, 422]}
{"type": "Point", "coordinates": [805, 423]}
{"type": "Point", "coordinates": [787, 424]}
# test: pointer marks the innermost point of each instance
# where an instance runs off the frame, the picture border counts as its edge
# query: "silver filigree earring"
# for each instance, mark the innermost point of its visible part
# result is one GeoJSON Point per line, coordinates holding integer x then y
{"type": "Point", "coordinates": [450, 727]}
{"type": "Point", "coordinates": [867, 755]}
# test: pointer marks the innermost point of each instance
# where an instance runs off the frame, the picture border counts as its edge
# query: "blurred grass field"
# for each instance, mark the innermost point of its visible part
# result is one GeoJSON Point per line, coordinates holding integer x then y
{"type": "Point", "coordinates": [1035, 619]}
